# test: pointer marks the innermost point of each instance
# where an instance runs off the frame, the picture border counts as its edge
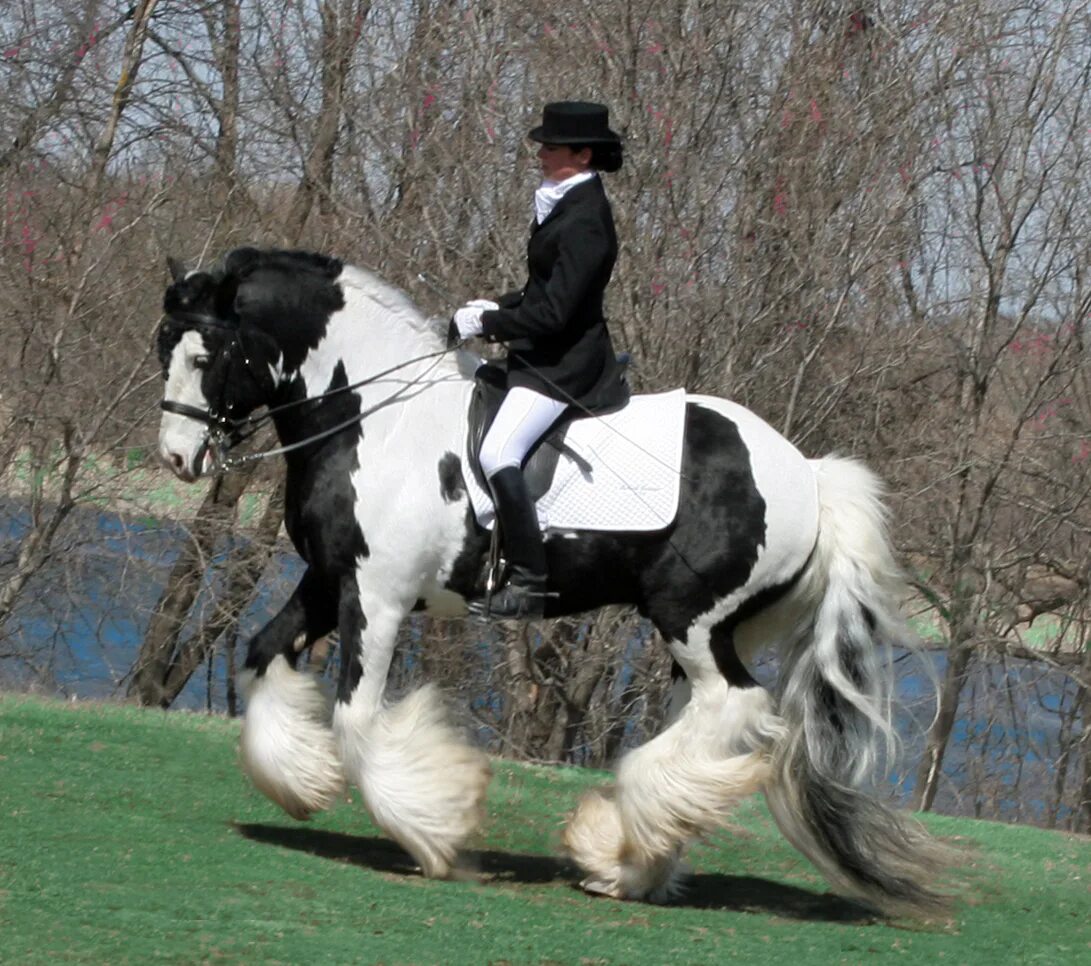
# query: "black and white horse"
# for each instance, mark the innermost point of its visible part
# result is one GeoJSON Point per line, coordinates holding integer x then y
{"type": "Point", "coordinates": [768, 550]}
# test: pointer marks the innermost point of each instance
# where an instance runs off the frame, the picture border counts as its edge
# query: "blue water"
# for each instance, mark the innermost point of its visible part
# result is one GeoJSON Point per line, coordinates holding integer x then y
{"type": "Point", "coordinates": [81, 622]}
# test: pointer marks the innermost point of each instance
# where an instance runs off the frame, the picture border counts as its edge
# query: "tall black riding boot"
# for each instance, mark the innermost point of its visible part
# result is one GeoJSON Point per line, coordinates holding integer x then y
{"type": "Point", "coordinates": [523, 596]}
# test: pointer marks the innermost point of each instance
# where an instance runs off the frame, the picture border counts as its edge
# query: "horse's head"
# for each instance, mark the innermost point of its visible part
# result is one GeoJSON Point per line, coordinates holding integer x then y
{"type": "Point", "coordinates": [217, 369]}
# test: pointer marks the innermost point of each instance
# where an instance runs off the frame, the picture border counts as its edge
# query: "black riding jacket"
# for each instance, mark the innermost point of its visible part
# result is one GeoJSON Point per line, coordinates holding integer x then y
{"type": "Point", "coordinates": [558, 342]}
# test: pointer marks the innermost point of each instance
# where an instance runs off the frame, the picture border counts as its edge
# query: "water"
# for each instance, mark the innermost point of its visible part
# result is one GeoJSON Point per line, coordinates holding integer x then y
{"type": "Point", "coordinates": [82, 619]}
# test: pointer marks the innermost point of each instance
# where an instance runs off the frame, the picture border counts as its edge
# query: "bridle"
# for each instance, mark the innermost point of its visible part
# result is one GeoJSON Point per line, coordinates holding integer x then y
{"type": "Point", "coordinates": [225, 431]}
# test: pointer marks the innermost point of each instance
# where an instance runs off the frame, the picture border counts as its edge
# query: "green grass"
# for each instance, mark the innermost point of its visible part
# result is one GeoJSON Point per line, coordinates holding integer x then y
{"type": "Point", "coordinates": [129, 836]}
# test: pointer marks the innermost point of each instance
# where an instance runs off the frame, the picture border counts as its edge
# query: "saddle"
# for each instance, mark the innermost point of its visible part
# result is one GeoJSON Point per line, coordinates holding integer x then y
{"type": "Point", "coordinates": [540, 466]}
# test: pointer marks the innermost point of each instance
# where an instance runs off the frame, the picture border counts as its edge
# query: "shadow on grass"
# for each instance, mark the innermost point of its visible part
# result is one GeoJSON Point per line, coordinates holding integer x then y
{"type": "Point", "coordinates": [746, 893]}
{"type": "Point", "coordinates": [706, 891]}
{"type": "Point", "coordinates": [383, 855]}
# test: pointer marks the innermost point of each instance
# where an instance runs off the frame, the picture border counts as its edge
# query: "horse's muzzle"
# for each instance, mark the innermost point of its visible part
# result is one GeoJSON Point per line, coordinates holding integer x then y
{"type": "Point", "coordinates": [188, 472]}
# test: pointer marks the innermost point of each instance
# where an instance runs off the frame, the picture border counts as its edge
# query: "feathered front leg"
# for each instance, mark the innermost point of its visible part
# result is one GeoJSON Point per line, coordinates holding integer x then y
{"type": "Point", "coordinates": [286, 746]}
{"type": "Point", "coordinates": [423, 784]}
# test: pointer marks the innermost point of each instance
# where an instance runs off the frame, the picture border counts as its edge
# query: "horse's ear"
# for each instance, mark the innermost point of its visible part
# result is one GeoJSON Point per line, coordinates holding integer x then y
{"type": "Point", "coordinates": [177, 269]}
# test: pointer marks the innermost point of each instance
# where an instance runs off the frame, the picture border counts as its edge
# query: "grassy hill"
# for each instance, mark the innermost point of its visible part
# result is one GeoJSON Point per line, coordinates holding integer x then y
{"type": "Point", "coordinates": [129, 836]}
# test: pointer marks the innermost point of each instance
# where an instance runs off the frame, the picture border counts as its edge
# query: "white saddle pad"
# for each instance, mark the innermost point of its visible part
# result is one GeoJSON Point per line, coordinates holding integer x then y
{"type": "Point", "coordinates": [635, 460]}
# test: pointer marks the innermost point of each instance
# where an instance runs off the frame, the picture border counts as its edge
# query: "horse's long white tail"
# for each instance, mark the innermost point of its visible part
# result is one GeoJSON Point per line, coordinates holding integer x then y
{"type": "Point", "coordinates": [834, 694]}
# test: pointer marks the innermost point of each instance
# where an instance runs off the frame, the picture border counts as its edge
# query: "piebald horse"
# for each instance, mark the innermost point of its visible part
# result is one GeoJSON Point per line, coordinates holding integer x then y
{"type": "Point", "coordinates": [768, 551]}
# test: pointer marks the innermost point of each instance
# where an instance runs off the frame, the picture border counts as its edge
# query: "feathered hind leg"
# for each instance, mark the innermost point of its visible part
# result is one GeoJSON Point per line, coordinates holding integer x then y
{"type": "Point", "coordinates": [630, 838]}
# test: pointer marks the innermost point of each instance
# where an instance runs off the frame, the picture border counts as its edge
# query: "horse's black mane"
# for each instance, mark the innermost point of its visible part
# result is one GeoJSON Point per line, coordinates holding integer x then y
{"type": "Point", "coordinates": [288, 294]}
{"type": "Point", "coordinates": [243, 261]}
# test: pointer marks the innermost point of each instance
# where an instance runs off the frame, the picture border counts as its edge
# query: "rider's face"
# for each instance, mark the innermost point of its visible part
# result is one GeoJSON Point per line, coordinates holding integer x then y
{"type": "Point", "coordinates": [559, 161]}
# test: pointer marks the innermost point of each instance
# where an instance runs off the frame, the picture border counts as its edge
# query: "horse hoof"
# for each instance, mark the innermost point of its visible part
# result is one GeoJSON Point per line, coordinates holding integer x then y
{"type": "Point", "coordinates": [600, 887]}
{"type": "Point", "coordinates": [659, 895]}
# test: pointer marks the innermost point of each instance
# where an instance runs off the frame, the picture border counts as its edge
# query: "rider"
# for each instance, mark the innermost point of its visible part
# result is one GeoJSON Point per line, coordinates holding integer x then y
{"type": "Point", "coordinates": [559, 349]}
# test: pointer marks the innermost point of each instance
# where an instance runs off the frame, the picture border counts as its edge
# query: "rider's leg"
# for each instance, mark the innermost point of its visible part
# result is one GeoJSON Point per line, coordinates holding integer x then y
{"type": "Point", "coordinates": [524, 417]}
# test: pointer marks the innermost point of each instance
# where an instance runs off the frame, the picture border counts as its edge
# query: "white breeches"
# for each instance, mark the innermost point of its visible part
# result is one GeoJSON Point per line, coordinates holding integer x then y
{"type": "Point", "coordinates": [524, 418]}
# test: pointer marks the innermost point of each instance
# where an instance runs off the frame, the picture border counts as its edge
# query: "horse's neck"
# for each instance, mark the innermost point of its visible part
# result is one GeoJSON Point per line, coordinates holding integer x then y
{"type": "Point", "coordinates": [380, 345]}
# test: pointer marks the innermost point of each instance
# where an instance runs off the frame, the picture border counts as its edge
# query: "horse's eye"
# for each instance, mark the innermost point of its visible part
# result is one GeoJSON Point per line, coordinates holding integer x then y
{"type": "Point", "coordinates": [200, 362]}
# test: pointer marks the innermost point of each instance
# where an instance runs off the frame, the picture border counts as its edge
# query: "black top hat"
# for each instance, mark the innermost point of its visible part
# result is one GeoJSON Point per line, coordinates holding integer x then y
{"type": "Point", "coordinates": [574, 122]}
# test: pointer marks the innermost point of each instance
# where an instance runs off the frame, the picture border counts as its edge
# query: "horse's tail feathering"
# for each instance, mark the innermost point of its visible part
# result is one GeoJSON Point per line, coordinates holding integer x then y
{"type": "Point", "coordinates": [834, 694]}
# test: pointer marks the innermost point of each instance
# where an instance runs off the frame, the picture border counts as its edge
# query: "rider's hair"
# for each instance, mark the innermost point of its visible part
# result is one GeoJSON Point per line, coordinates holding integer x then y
{"type": "Point", "coordinates": [604, 157]}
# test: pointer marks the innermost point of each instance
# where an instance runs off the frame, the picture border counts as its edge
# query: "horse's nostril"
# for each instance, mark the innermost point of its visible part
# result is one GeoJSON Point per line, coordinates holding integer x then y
{"type": "Point", "coordinates": [177, 462]}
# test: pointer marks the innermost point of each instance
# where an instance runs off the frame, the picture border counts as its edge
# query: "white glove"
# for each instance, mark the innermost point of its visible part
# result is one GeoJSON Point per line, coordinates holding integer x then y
{"type": "Point", "coordinates": [468, 321]}
{"type": "Point", "coordinates": [468, 318]}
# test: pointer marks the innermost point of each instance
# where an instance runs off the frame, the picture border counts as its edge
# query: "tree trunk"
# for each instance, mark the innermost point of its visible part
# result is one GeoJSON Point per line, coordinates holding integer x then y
{"type": "Point", "coordinates": [931, 765]}
{"type": "Point", "coordinates": [1083, 805]}
{"type": "Point", "coordinates": [227, 137]}
{"type": "Point", "coordinates": [585, 677]}
{"type": "Point", "coordinates": [244, 570]}
{"type": "Point", "coordinates": [341, 27]}
{"type": "Point", "coordinates": [131, 59]}
{"type": "Point", "coordinates": [147, 685]}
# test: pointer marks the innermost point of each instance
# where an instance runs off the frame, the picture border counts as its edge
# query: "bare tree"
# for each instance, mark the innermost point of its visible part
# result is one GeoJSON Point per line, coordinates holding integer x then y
{"type": "Point", "coordinates": [53, 348]}
{"type": "Point", "coordinates": [1011, 195]}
